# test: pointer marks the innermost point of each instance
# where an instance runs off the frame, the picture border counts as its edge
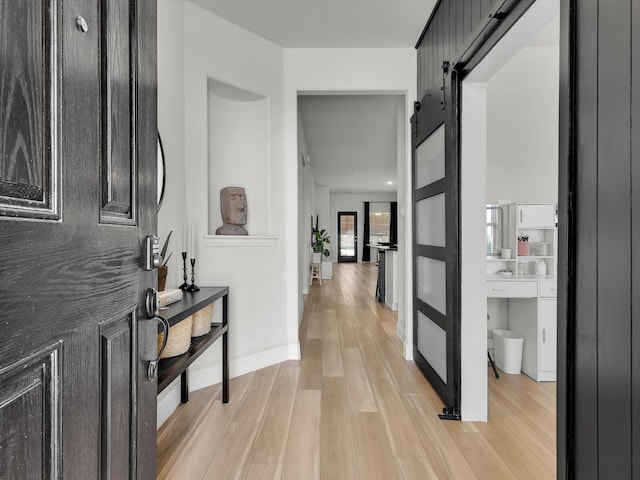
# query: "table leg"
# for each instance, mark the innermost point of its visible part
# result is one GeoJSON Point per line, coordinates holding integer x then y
{"type": "Point", "coordinates": [225, 362]}
{"type": "Point", "coordinates": [184, 387]}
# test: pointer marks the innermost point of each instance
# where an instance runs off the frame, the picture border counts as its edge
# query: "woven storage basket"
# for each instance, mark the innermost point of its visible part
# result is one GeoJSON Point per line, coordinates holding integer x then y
{"type": "Point", "coordinates": [202, 321]}
{"type": "Point", "coordinates": [179, 339]}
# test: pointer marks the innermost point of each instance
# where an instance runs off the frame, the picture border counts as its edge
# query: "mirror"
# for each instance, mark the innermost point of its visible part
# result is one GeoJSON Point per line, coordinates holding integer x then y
{"type": "Point", "coordinates": [494, 230]}
{"type": "Point", "coordinates": [161, 173]}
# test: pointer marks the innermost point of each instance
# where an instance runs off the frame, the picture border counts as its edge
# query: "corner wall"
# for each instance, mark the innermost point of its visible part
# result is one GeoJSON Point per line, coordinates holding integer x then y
{"type": "Point", "coordinates": [202, 46]}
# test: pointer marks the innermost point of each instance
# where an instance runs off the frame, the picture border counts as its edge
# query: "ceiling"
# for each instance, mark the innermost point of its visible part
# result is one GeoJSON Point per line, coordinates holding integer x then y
{"type": "Point", "coordinates": [352, 140]}
{"type": "Point", "coordinates": [328, 23]}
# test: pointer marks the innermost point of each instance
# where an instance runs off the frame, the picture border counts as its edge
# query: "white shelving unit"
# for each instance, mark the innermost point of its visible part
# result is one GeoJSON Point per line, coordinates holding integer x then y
{"type": "Point", "coordinates": [538, 223]}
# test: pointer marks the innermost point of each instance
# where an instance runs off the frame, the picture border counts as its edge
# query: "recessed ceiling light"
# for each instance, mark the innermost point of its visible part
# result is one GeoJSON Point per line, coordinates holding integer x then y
{"type": "Point", "coordinates": [355, 173]}
{"type": "Point", "coordinates": [389, 182]}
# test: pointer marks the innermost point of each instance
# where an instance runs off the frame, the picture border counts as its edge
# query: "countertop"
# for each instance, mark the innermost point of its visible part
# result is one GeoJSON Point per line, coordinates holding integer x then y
{"type": "Point", "coordinates": [520, 278]}
{"type": "Point", "coordinates": [385, 247]}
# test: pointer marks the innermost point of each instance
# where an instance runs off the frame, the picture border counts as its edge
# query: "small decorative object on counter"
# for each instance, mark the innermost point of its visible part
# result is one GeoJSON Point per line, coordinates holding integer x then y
{"type": "Point", "coordinates": [193, 287]}
{"type": "Point", "coordinates": [184, 285]}
{"type": "Point", "coordinates": [540, 267]}
{"type": "Point", "coordinates": [522, 268]}
{"type": "Point", "coordinates": [163, 270]}
{"type": "Point", "coordinates": [523, 245]}
{"type": "Point", "coordinates": [544, 248]}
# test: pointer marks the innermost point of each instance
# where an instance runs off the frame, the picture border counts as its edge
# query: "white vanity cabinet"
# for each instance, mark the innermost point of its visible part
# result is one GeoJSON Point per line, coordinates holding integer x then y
{"type": "Point", "coordinates": [536, 320]}
{"type": "Point", "coordinates": [547, 328]}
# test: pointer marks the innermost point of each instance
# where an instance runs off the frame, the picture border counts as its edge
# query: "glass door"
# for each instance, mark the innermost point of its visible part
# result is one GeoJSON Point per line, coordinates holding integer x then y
{"type": "Point", "coordinates": [436, 252]}
{"type": "Point", "coordinates": [347, 236]}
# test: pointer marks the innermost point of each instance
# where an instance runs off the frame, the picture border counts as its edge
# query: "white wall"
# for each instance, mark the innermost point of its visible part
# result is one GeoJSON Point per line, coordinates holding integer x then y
{"type": "Point", "coordinates": [522, 121]}
{"type": "Point", "coordinates": [473, 331]}
{"type": "Point", "coordinates": [322, 206]}
{"type": "Point", "coordinates": [306, 210]}
{"type": "Point", "coordinates": [350, 202]}
{"type": "Point", "coordinates": [253, 268]}
{"type": "Point", "coordinates": [217, 49]}
{"type": "Point", "coordinates": [171, 129]}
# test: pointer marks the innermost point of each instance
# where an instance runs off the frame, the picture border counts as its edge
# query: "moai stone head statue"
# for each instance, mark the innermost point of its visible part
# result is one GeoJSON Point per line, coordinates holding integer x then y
{"type": "Point", "coordinates": [233, 206]}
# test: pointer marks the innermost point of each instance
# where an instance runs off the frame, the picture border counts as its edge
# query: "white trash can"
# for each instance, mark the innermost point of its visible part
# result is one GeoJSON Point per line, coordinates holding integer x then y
{"type": "Point", "coordinates": [507, 348]}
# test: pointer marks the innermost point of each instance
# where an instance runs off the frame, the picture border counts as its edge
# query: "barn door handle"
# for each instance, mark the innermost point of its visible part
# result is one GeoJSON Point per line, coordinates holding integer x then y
{"type": "Point", "coordinates": [151, 306]}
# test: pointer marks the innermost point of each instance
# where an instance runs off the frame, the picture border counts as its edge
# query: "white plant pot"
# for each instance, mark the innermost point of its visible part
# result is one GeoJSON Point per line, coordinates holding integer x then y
{"type": "Point", "coordinates": [316, 257]}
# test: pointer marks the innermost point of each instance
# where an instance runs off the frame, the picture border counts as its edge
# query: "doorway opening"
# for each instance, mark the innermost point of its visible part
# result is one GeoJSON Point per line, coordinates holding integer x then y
{"type": "Point", "coordinates": [509, 136]}
{"type": "Point", "coordinates": [347, 236]}
{"type": "Point", "coordinates": [352, 177]}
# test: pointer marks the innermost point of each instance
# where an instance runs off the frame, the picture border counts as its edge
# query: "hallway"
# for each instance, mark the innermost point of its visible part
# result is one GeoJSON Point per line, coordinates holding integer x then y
{"type": "Point", "coordinates": [353, 408]}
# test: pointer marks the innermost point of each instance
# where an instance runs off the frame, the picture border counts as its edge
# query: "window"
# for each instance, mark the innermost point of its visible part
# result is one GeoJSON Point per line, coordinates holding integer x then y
{"type": "Point", "coordinates": [379, 220]}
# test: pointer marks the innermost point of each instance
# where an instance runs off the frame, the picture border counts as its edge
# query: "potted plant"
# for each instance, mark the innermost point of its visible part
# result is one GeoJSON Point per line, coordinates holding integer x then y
{"type": "Point", "coordinates": [320, 240]}
{"type": "Point", "coordinates": [163, 269]}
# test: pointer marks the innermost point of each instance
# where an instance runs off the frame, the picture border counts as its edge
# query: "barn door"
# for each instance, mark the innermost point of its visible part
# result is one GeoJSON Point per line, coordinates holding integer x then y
{"type": "Point", "coordinates": [77, 195]}
{"type": "Point", "coordinates": [435, 235]}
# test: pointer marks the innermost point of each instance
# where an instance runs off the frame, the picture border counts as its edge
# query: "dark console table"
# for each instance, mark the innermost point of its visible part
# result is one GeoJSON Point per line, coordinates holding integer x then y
{"type": "Point", "coordinates": [170, 368]}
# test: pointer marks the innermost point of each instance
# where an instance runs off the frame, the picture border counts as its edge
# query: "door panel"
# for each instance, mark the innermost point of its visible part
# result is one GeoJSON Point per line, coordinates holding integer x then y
{"type": "Point", "coordinates": [436, 240]}
{"type": "Point", "coordinates": [72, 365]}
{"type": "Point", "coordinates": [29, 164]}
{"type": "Point", "coordinates": [118, 152]}
{"type": "Point", "coordinates": [347, 236]}
{"type": "Point", "coordinates": [118, 379]}
{"type": "Point", "coordinates": [29, 421]}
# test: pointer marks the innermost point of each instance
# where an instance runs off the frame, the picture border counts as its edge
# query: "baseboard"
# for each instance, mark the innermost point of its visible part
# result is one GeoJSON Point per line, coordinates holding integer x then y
{"type": "Point", "coordinates": [169, 399]}
{"type": "Point", "coordinates": [400, 330]}
{"type": "Point", "coordinates": [300, 311]}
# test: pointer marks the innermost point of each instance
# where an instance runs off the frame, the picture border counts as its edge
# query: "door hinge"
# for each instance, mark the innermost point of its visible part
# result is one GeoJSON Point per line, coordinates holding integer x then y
{"type": "Point", "coordinates": [445, 70]}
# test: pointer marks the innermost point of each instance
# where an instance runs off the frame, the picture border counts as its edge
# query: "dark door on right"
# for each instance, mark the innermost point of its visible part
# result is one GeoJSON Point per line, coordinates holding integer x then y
{"type": "Point", "coordinates": [347, 236]}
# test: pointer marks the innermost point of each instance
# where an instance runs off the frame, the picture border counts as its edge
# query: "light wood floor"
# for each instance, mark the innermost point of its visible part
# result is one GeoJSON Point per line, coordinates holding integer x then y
{"type": "Point", "coordinates": [352, 408]}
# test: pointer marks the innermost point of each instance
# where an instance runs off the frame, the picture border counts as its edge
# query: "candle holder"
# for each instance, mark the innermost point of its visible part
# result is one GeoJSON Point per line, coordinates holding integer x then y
{"type": "Point", "coordinates": [193, 287]}
{"type": "Point", "coordinates": [184, 285]}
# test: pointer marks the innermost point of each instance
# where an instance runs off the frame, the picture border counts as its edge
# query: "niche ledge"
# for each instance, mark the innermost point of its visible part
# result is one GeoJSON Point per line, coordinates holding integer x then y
{"type": "Point", "coordinates": [239, 240]}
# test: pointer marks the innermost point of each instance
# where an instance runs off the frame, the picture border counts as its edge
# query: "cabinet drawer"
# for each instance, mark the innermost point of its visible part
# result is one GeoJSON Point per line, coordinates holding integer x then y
{"type": "Point", "coordinates": [512, 289]}
{"type": "Point", "coordinates": [547, 289]}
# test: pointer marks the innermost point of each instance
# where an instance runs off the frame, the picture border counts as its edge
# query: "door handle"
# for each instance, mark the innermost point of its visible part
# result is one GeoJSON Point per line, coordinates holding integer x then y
{"type": "Point", "coordinates": [151, 254]}
{"type": "Point", "coordinates": [151, 306]}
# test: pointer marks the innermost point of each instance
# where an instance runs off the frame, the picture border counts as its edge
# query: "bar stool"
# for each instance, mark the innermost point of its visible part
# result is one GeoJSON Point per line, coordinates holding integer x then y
{"type": "Point", "coordinates": [316, 272]}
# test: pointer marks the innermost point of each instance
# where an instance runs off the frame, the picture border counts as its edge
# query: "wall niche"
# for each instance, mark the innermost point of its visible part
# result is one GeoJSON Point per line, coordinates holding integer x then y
{"type": "Point", "coordinates": [239, 153]}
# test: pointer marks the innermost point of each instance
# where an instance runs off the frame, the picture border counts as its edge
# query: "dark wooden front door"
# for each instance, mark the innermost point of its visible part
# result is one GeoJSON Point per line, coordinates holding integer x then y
{"type": "Point", "coordinates": [77, 196]}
